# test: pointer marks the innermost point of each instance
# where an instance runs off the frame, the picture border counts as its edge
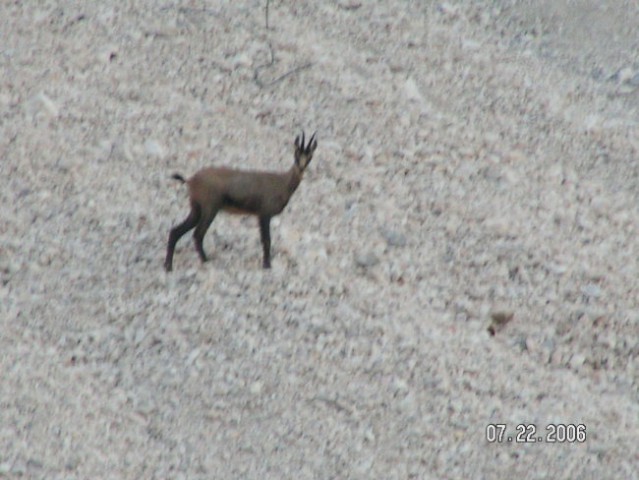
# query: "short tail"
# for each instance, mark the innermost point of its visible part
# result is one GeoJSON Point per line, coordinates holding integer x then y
{"type": "Point", "coordinates": [177, 176]}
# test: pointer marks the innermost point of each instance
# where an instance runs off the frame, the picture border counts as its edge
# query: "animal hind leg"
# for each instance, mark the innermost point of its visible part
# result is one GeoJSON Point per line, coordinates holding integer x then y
{"type": "Point", "coordinates": [177, 233]}
{"type": "Point", "coordinates": [198, 236]}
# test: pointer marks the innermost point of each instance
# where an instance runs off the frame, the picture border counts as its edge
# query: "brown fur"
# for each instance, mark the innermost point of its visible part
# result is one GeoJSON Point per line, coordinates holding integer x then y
{"type": "Point", "coordinates": [263, 194]}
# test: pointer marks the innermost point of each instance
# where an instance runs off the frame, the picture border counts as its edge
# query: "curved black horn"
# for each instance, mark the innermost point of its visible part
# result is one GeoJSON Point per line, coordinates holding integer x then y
{"type": "Point", "coordinates": [302, 144]}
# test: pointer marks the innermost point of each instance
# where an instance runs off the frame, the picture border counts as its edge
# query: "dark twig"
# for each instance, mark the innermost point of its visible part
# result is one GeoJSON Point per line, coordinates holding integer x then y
{"type": "Point", "coordinates": [287, 74]}
{"type": "Point", "coordinates": [260, 83]}
{"type": "Point", "coordinates": [256, 73]}
{"type": "Point", "coordinates": [266, 14]}
{"type": "Point", "coordinates": [336, 404]}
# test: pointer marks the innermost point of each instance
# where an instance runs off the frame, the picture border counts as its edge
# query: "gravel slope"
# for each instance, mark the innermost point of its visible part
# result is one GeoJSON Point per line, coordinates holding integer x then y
{"type": "Point", "coordinates": [474, 158]}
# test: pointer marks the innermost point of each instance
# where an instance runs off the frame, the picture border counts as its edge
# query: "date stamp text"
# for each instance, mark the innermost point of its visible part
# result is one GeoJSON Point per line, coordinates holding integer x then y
{"type": "Point", "coordinates": [529, 433]}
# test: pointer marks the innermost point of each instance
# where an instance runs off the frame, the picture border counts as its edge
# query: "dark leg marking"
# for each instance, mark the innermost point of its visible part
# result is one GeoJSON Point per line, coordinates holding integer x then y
{"type": "Point", "coordinates": [265, 234]}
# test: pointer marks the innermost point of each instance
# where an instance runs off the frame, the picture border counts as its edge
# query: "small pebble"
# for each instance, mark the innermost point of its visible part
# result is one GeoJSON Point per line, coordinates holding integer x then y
{"type": "Point", "coordinates": [193, 356]}
{"type": "Point", "coordinates": [413, 92]}
{"type": "Point", "coordinates": [577, 361]}
{"type": "Point", "coordinates": [153, 148]}
{"type": "Point", "coordinates": [393, 238]}
{"type": "Point", "coordinates": [634, 81]}
{"type": "Point", "coordinates": [591, 290]}
{"type": "Point", "coordinates": [366, 260]}
{"type": "Point", "coordinates": [48, 104]}
{"type": "Point", "coordinates": [349, 4]}
{"type": "Point", "coordinates": [499, 320]}
{"type": "Point", "coordinates": [256, 387]}
{"type": "Point", "coordinates": [623, 75]}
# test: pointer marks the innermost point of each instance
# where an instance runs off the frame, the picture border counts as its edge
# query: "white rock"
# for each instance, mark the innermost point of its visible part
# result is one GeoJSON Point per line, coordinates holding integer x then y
{"type": "Point", "coordinates": [364, 464]}
{"type": "Point", "coordinates": [394, 238]}
{"type": "Point", "coordinates": [242, 59]}
{"type": "Point", "coordinates": [471, 45]}
{"type": "Point", "coordinates": [577, 361]}
{"type": "Point", "coordinates": [5, 99]}
{"type": "Point", "coordinates": [557, 268]}
{"type": "Point", "coordinates": [193, 356]}
{"type": "Point", "coordinates": [153, 148]}
{"type": "Point", "coordinates": [447, 9]}
{"type": "Point", "coordinates": [624, 74]}
{"type": "Point", "coordinates": [412, 91]}
{"type": "Point", "coordinates": [400, 385]}
{"type": "Point", "coordinates": [140, 335]}
{"type": "Point", "coordinates": [501, 225]}
{"type": "Point", "coordinates": [608, 340]}
{"type": "Point", "coordinates": [256, 387]}
{"type": "Point", "coordinates": [591, 290]}
{"type": "Point", "coordinates": [592, 122]}
{"type": "Point", "coordinates": [366, 260]}
{"type": "Point", "coordinates": [42, 102]}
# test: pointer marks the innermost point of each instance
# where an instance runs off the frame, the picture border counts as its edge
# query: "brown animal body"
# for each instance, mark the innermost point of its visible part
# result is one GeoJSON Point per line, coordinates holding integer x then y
{"type": "Point", "coordinates": [263, 194]}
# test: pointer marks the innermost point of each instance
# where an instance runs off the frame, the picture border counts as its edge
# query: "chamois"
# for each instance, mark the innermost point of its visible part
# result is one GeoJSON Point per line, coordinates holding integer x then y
{"type": "Point", "coordinates": [263, 194]}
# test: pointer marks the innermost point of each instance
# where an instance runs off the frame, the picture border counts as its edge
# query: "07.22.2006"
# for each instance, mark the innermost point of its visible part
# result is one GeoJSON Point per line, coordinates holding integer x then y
{"type": "Point", "coordinates": [527, 433]}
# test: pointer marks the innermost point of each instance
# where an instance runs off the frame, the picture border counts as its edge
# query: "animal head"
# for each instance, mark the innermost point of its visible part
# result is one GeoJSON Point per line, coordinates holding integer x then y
{"type": "Point", "coordinates": [304, 154]}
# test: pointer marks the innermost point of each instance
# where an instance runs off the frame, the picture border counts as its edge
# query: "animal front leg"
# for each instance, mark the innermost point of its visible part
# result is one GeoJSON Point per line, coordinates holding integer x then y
{"type": "Point", "coordinates": [265, 234]}
{"type": "Point", "coordinates": [198, 236]}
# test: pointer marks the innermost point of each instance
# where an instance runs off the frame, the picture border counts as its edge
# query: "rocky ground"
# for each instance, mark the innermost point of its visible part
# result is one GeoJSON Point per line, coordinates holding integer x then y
{"type": "Point", "coordinates": [475, 159]}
